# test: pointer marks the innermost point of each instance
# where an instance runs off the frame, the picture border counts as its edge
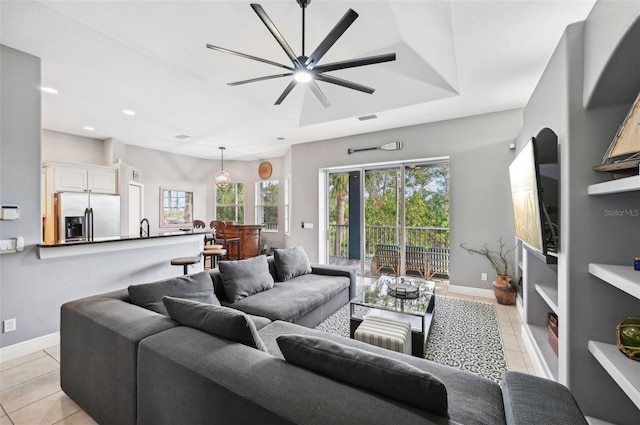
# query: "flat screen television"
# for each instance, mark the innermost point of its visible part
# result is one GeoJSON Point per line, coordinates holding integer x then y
{"type": "Point", "coordinates": [534, 225]}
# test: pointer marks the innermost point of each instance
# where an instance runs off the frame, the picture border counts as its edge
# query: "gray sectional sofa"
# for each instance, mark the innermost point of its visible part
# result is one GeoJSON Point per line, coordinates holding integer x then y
{"type": "Point", "coordinates": [218, 359]}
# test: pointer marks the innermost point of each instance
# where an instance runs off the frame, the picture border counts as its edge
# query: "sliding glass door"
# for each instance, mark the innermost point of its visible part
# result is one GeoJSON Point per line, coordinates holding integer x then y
{"type": "Point", "coordinates": [394, 220]}
{"type": "Point", "coordinates": [383, 223]}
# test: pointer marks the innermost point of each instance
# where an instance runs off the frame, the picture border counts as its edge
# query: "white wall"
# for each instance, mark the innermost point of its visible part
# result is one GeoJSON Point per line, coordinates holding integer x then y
{"type": "Point", "coordinates": [479, 153]}
{"type": "Point", "coordinates": [57, 146]}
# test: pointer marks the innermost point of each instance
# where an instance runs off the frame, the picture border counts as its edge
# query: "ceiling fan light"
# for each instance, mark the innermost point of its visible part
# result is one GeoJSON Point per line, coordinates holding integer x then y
{"type": "Point", "coordinates": [302, 76]}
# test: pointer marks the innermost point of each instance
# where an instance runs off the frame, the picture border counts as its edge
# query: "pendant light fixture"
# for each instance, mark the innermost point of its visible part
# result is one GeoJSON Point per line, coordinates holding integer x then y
{"type": "Point", "coordinates": [221, 177]}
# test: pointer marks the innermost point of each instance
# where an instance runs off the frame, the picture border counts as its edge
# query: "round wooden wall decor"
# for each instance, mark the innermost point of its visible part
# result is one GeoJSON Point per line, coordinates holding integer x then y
{"type": "Point", "coordinates": [264, 170]}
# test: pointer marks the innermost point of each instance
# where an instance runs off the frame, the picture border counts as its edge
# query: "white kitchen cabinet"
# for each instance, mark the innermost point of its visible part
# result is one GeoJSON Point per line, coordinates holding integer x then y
{"type": "Point", "coordinates": [84, 178]}
{"type": "Point", "coordinates": [72, 177]}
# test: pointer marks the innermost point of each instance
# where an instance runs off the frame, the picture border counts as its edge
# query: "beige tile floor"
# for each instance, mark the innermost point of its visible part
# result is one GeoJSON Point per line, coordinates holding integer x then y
{"type": "Point", "coordinates": [30, 391]}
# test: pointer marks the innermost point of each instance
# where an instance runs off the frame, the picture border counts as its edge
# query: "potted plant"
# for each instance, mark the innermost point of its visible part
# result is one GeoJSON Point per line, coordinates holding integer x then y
{"type": "Point", "coordinates": [503, 289]}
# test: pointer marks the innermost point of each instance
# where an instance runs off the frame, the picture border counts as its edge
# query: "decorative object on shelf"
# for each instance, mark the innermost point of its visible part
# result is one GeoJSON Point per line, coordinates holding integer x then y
{"type": "Point", "coordinates": [552, 331]}
{"type": "Point", "coordinates": [636, 263]}
{"type": "Point", "coordinates": [265, 170]}
{"type": "Point", "coordinates": [623, 156]}
{"type": "Point", "coordinates": [222, 178]}
{"type": "Point", "coordinates": [628, 337]}
{"type": "Point", "coordinates": [503, 289]}
{"type": "Point", "coordinates": [305, 69]}
{"type": "Point", "coordinates": [394, 146]}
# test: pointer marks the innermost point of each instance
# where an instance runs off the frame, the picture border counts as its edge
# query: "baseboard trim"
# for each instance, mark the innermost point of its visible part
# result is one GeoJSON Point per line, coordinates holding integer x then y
{"type": "Point", "coordinates": [27, 347]}
{"type": "Point", "coordinates": [475, 292]}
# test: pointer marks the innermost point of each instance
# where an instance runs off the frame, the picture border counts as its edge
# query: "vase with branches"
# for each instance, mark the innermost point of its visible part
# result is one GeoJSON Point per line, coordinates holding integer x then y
{"type": "Point", "coordinates": [499, 261]}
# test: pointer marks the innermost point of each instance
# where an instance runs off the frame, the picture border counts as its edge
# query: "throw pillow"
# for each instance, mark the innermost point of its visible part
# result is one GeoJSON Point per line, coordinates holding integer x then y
{"type": "Point", "coordinates": [383, 375]}
{"type": "Point", "coordinates": [220, 321]}
{"type": "Point", "coordinates": [291, 262]}
{"type": "Point", "coordinates": [197, 287]}
{"type": "Point", "coordinates": [242, 278]}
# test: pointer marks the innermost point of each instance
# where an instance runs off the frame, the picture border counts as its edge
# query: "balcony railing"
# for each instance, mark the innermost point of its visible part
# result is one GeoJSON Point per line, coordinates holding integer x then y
{"type": "Point", "coordinates": [428, 237]}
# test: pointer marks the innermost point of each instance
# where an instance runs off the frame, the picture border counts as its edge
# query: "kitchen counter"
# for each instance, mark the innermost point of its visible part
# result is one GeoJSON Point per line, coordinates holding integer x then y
{"type": "Point", "coordinates": [118, 243]}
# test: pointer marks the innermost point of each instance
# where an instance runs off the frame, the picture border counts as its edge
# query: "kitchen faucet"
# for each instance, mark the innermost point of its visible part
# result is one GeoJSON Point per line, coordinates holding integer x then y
{"type": "Point", "coordinates": [144, 233]}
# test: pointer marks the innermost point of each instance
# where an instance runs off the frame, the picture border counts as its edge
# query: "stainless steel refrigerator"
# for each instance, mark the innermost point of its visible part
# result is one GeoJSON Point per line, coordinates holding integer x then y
{"type": "Point", "coordinates": [86, 216]}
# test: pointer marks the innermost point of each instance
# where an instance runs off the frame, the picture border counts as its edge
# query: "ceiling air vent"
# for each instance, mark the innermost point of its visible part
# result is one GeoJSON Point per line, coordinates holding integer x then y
{"type": "Point", "coordinates": [368, 117]}
{"type": "Point", "coordinates": [182, 137]}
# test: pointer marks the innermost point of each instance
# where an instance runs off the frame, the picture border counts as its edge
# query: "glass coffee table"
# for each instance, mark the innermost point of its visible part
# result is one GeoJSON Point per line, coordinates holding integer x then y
{"type": "Point", "coordinates": [404, 298]}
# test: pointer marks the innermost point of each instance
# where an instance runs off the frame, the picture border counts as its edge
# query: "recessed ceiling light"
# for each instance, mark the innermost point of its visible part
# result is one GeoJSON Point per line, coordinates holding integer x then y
{"type": "Point", "coordinates": [368, 117]}
{"type": "Point", "coordinates": [49, 90]}
{"type": "Point", "coordinates": [88, 128]}
{"type": "Point", "coordinates": [182, 137]}
{"type": "Point", "coordinates": [280, 138]}
{"type": "Point", "coordinates": [128, 112]}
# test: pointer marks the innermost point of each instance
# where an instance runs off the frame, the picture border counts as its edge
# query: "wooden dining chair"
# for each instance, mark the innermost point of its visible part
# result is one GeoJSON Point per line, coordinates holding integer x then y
{"type": "Point", "coordinates": [220, 235]}
{"type": "Point", "coordinates": [208, 237]}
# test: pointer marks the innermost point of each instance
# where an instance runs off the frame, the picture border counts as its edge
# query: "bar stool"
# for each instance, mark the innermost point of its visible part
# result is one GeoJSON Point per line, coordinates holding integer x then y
{"type": "Point", "coordinates": [220, 229]}
{"type": "Point", "coordinates": [185, 262]}
{"type": "Point", "coordinates": [213, 253]}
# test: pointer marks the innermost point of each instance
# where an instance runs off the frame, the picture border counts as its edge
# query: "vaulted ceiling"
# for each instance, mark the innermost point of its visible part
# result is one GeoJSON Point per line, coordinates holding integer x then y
{"type": "Point", "coordinates": [454, 58]}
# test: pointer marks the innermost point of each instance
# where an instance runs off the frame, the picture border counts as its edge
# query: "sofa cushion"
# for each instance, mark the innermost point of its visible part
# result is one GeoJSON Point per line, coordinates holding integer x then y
{"type": "Point", "coordinates": [527, 397]}
{"type": "Point", "coordinates": [394, 379]}
{"type": "Point", "coordinates": [472, 399]}
{"type": "Point", "coordinates": [291, 262]}
{"type": "Point", "coordinates": [220, 321]}
{"type": "Point", "coordinates": [242, 278]}
{"type": "Point", "coordinates": [196, 287]}
{"type": "Point", "coordinates": [294, 298]}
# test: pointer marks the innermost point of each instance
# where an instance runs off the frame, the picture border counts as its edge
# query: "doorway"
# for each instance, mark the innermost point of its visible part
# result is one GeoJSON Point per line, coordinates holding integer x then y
{"type": "Point", "coordinates": [390, 219]}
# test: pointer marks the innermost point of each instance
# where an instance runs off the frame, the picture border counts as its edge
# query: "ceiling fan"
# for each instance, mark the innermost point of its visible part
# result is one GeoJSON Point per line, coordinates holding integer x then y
{"type": "Point", "coordinates": [305, 69]}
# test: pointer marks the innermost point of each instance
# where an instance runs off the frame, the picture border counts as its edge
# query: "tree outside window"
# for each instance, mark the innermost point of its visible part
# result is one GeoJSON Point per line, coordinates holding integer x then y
{"type": "Point", "coordinates": [230, 203]}
{"type": "Point", "coordinates": [267, 205]}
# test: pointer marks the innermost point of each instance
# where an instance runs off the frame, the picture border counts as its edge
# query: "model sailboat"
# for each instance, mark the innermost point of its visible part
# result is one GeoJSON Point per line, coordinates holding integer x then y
{"type": "Point", "coordinates": [623, 156]}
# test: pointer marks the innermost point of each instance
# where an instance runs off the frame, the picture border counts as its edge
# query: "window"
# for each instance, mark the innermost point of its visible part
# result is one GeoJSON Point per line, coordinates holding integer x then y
{"type": "Point", "coordinates": [287, 211]}
{"type": "Point", "coordinates": [230, 203]}
{"type": "Point", "coordinates": [176, 208]}
{"type": "Point", "coordinates": [267, 205]}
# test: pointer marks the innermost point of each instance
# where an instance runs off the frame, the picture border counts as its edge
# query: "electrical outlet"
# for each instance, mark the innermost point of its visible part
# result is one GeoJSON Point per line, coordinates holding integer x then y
{"type": "Point", "coordinates": [484, 276]}
{"type": "Point", "coordinates": [9, 325]}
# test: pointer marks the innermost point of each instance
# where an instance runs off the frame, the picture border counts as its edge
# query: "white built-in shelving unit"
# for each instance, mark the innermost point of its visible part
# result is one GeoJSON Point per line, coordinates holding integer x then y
{"type": "Point", "coordinates": [549, 294]}
{"type": "Point", "coordinates": [624, 371]}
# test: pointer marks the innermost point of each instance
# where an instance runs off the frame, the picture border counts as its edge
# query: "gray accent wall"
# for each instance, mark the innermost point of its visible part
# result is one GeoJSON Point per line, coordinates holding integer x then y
{"type": "Point", "coordinates": [581, 69]}
{"type": "Point", "coordinates": [478, 148]}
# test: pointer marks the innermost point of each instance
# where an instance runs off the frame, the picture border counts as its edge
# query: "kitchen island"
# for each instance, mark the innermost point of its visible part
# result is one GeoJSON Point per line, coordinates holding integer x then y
{"type": "Point", "coordinates": [188, 243]}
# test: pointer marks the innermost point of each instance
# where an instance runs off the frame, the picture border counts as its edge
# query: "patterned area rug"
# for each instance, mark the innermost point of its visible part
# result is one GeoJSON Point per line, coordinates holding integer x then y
{"type": "Point", "coordinates": [464, 334]}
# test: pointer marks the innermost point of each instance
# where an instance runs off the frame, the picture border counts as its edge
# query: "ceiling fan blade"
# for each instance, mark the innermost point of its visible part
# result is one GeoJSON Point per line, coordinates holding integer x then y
{"type": "Point", "coordinates": [352, 63]}
{"type": "Point", "coordinates": [244, 55]}
{"type": "Point", "coordinates": [316, 90]}
{"type": "Point", "coordinates": [276, 34]}
{"type": "Point", "coordinates": [331, 38]}
{"type": "Point", "coordinates": [286, 92]}
{"type": "Point", "coordinates": [253, 80]}
{"type": "Point", "coordinates": [344, 83]}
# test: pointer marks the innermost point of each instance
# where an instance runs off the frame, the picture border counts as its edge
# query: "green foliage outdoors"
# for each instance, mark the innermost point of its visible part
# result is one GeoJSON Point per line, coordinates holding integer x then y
{"type": "Point", "coordinates": [426, 197]}
{"type": "Point", "coordinates": [269, 195]}
{"type": "Point", "coordinates": [230, 203]}
{"type": "Point", "coordinates": [426, 193]}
